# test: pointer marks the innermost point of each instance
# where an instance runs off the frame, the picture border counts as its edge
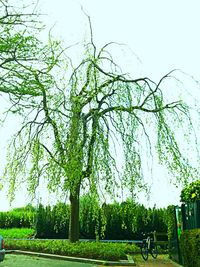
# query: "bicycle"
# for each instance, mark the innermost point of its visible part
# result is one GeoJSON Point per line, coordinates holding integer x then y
{"type": "Point", "coordinates": [149, 246]}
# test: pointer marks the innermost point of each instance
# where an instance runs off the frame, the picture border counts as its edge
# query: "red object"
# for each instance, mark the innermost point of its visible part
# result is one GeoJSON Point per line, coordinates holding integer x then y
{"type": "Point", "coordinates": [2, 244]}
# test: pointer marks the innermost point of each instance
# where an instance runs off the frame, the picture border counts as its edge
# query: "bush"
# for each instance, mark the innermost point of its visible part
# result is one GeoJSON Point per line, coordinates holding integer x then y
{"type": "Point", "coordinates": [190, 247]}
{"type": "Point", "coordinates": [191, 193]}
{"type": "Point", "coordinates": [92, 250]}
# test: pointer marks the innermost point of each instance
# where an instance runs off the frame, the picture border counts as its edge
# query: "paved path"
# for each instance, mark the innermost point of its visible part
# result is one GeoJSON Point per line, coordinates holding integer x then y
{"type": "Point", "coordinates": [157, 263]}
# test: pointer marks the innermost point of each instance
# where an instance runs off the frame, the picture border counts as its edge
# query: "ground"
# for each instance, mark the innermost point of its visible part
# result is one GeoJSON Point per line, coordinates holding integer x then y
{"type": "Point", "coordinates": [161, 261]}
{"type": "Point", "coordinates": [12, 260]}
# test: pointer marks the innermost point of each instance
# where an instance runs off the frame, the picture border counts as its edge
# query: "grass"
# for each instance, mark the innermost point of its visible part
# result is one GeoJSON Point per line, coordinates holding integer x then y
{"type": "Point", "coordinates": [162, 258]}
{"type": "Point", "coordinates": [12, 260]}
{"type": "Point", "coordinates": [16, 232]}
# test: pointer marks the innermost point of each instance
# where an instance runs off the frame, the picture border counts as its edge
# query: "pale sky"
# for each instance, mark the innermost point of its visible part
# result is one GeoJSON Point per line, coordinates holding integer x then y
{"type": "Point", "coordinates": [160, 36]}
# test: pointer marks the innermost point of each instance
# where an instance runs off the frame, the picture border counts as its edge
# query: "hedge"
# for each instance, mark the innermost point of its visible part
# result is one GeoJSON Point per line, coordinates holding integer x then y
{"type": "Point", "coordinates": [92, 250]}
{"type": "Point", "coordinates": [17, 219]}
{"type": "Point", "coordinates": [191, 192]}
{"type": "Point", "coordinates": [190, 247]}
{"type": "Point", "coordinates": [115, 221]}
{"type": "Point", "coordinates": [17, 233]}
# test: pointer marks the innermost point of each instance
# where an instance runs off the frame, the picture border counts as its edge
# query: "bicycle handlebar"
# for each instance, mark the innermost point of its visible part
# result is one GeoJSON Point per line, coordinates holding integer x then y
{"type": "Point", "coordinates": [148, 233]}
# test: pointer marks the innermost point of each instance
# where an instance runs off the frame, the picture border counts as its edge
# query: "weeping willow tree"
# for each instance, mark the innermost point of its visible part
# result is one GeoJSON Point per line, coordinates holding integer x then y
{"type": "Point", "coordinates": [73, 127]}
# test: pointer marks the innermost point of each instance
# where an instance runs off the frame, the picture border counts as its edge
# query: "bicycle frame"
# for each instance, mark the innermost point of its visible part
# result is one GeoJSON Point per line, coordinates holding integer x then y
{"type": "Point", "coordinates": [148, 246]}
{"type": "Point", "coordinates": [148, 242]}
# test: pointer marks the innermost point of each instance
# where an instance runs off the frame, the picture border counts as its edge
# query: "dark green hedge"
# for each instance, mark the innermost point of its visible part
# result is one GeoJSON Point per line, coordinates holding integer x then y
{"type": "Point", "coordinates": [126, 220]}
{"type": "Point", "coordinates": [52, 222]}
{"type": "Point", "coordinates": [111, 221]}
{"type": "Point", "coordinates": [92, 250]}
{"type": "Point", "coordinates": [190, 247]}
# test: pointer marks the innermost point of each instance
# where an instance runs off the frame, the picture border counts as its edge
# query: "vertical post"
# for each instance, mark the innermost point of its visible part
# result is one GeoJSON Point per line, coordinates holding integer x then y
{"type": "Point", "coordinates": [176, 212]}
{"type": "Point", "coordinates": [154, 236]}
{"type": "Point", "coordinates": [198, 214]}
{"type": "Point", "coordinates": [183, 216]}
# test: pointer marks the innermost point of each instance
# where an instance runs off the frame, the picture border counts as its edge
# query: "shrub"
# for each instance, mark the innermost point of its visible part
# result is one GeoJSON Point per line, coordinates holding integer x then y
{"type": "Point", "coordinates": [190, 247]}
{"type": "Point", "coordinates": [191, 193]}
{"type": "Point", "coordinates": [92, 250]}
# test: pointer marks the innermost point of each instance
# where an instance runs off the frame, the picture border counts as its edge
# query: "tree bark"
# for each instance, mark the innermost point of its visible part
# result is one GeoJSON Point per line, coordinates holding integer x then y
{"type": "Point", "coordinates": [74, 216]}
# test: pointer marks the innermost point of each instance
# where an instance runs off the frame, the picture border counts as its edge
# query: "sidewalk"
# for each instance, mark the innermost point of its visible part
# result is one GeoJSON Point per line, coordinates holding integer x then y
{"type": "Point", "coordinates": [158, 263]}
{"type": "Point", "coordinates": [72, 259]}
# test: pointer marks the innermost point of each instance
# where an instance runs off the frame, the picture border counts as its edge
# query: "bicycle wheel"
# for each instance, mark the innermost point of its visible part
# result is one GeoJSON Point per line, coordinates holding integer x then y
{"type": "Point", "coordinates": [154, 251]}
{"type": "Point", "coordinates": [144, 251]}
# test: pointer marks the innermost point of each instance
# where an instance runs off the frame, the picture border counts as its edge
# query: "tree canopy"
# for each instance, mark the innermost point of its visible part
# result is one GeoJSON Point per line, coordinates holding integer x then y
{"type": "Point", "coordinates": [76, 118]}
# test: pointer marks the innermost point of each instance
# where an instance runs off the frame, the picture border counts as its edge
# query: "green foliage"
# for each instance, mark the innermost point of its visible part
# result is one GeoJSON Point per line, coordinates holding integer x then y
{"type": "Point", "coordinates": [73, 123]}
{"type": "Point", "coordinates": [172, 232]}
{"type": "Point", "coordinates": [111, 221]}
{"type": "Point", "coordinates": [17, 233]}
{"type": "Point", "coordinates": [190, 247]}
{"type": "Point", "coordinates": [52, 222]}
{"type": "Point", "coordinates": [93, 250]}
{"type": "Point", "coordinates": [129, 220]}
{"type": "Point", "coordinates": [171, 223]}
{"type": "Point", "coordinates": [18, 218]}
{"type": "Point", "coordinates": [92, 220]}
{"type": "Point", "coordinates": [191, 192]}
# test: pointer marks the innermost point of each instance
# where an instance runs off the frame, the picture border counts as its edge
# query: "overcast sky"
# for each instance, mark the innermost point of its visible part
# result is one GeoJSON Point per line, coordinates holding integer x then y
{"type": "Point", "coordinates": [160, 36]}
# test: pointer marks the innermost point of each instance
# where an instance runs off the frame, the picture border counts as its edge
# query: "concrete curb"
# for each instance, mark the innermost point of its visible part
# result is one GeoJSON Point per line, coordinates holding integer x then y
{"type": "Point", "coordinates": [74, 259]}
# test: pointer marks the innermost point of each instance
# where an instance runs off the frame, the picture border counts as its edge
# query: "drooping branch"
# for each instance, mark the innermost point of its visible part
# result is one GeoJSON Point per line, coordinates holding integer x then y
{"type": "Point", "coordinates": [12, 17]}
{"type": "Point", "coordinates": [153, 91]}
{"type": "Point", "coordinates": [91, 144]}
{"type": "Point", "coordinates": [50, 120]}
{"type": "Point", "coordinates": [131, 109]}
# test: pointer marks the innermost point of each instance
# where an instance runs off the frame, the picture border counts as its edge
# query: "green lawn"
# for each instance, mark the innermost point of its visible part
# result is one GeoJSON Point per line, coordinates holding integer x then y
{"type": "Point", "coordinates": [16, 232]}
{"type": "Point", "coordinates": [12, 260]}
{"type": "Point", "coordinates": [162, 259]}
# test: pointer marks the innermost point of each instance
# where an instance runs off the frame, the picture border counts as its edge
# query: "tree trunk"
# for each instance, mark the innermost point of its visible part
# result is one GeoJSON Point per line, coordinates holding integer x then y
{"type": "Point", "coordinates": [74, 217]}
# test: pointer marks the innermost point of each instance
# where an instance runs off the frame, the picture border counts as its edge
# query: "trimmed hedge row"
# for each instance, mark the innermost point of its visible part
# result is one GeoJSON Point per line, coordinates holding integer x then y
{"type": "Point", "coordinates": [190, 247]}
{"type": "Point", "coordinates": [111, 221]}
{"type": "Point", "coordinates": [92, 250]}
{"type": "Point", "coordinates": [17, 219]}
{"type": "Point", "coordinates": [116, 221]}
{"type": "Point", "coordinates": [52, 222]}
{"type": "Point", "coordinates": [17, 233]}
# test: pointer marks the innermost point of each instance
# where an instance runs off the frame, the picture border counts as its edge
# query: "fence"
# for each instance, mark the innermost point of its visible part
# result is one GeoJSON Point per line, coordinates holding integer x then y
{"type": "Point", "coordinates": [174, 246]}
{"type": "Point", "coordinates": [186, 217]}
{"type": "Point", "coordinates": [191, 215]}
